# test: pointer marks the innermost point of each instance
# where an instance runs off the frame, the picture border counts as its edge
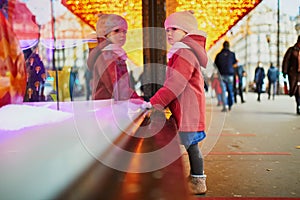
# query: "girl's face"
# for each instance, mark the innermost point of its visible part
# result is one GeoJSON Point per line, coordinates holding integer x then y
{"type": "Point", "coordinates": [117, 36]}
{"type": "Point", "coordinates": [174, 35]}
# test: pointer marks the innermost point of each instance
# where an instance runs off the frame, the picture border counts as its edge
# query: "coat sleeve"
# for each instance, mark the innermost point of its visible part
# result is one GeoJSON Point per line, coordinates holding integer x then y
{"type": "Point", "coordinates": [255, 74]}
{"type": "Point", "coordinates": [178, 76]}
{"type": "Point", "coordinates": [93, 55]}
{"type": "Point", "coordinates": [286, 60]}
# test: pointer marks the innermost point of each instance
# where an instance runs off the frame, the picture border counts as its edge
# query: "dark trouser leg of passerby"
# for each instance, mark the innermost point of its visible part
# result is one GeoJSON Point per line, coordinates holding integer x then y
{"type": "Point", "coordinates": [259, 86]}
{"type": "Point", "coordinates": [228, 87]}
{"type": "Point", "coordinates": [297, 97]}
{"type": "Point", "coordinates": [241, 92]}
{"type": "Point", "coordinates": [269, 89]}
{"type": "Point", "coordinates": [235, 90]}
{"type": "Point", "coordinates": [230, 97]}
{"type": "Point", "coordinates": [230, 91]}
{"type": "Point", "coordinates": [274, 84]}
{"type": "Point", "coordinates": [235, 94]}
{"type": "Point", "coordinates": [224, 98]}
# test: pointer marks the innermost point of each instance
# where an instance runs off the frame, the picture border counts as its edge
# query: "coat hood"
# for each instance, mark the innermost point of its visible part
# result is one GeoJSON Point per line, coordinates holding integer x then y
{"type": "Point", "coordinates": [95, 52]}
{"type": "Point", "coordinates": [197, 44]}
{"type": "Point", "coordinates": [105, 45]}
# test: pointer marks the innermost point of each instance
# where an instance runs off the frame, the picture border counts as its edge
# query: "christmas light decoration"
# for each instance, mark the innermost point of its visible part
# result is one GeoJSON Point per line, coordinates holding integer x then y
{"type": "Point", "coordinates": [215, 17]}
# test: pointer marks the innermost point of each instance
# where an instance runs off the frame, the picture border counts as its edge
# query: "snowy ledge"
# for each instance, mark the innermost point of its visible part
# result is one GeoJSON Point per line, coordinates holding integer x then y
{"type": "Point", "coordinates": [15, 117]}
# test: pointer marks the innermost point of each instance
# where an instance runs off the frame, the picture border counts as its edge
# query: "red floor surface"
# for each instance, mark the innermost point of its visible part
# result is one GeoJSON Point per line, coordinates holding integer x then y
{"type": "Point", "coordinates": [246, 198]}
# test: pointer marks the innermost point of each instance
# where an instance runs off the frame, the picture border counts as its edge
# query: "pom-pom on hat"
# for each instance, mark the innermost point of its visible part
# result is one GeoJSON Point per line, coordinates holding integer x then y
{"type": "Point", "coordinates": [184, 20]}
{"type": "Point", "coordinates": [109, 22]}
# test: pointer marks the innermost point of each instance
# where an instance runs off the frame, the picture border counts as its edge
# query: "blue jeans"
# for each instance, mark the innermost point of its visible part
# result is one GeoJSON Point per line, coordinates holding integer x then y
{"type": "Point", "coordinates": [227, 87]}
{"type": "Point", "coordinates": [273, 86]}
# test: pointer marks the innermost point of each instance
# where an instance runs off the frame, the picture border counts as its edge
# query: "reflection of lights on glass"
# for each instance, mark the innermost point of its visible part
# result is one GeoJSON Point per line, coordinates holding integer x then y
{"type": "Point", "coordinates": [49, 78]}
{"type": "Point", "coordinates": [41, 9]}
{"type": "Point", "coordinates": [131, 10]}
{"type": "Point", "coordinates": [214, 17]}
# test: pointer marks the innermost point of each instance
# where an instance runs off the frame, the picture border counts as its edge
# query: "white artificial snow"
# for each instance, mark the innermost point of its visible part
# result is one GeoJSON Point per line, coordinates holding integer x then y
{"type": "Point", "coordinates": [15, 117]}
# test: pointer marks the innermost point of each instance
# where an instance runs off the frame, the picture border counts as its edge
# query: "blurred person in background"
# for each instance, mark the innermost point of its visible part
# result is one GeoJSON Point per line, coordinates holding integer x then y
{"type": "Point", "coordinates": [238, 83]}
{"type": "Point", "coordinates": [259, 76]}
{"type": "Point", "coordinates": [291, 68]}
{"type": "Point", "coordinates": [225, 62]}
{"type": "Point", "coordinates": [273, 75]}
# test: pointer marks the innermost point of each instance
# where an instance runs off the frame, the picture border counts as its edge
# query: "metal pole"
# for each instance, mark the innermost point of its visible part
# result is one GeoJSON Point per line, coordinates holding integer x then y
{"type": "Point", "coordinates": [278, 31]}
{"type": "Point", "coordinates": [246, 53]}
{"type": "Point", "coordinates": [53, 53]}
{"type": "Point", "coordinates": [278, 42]}
{"type": "Point", "coordinates": [154, 44]}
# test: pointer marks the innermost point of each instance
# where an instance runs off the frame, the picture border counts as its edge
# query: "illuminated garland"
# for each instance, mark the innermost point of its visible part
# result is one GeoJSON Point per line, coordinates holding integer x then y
{"type": "Point", "coordinates": [215, 17]}
{"type": "Point", "coordinates": [87, 10]}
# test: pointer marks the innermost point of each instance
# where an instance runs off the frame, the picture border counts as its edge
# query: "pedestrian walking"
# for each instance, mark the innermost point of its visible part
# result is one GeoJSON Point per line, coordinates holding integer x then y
{"type": "Point", "coordinates": [259, 76]}
{"type": "Point", "coordinates": [225, 61]}
{"type": "Point", "coordinates": [183, 90]}
{"type": "Point", "coordinates": [238, 83]}
{"type": "Point", "coordinates": [273, 75]}
{"type": "Point", "coordinates": [72, 82]}
{"type": "Point", "coordinates": [107, 61]}
{"type": "Point", "coordinates": [216, 86]}
{"type": "Point", "coordinates": [291, 68]}
{"type": "Point", "coordinates": [88, 78]}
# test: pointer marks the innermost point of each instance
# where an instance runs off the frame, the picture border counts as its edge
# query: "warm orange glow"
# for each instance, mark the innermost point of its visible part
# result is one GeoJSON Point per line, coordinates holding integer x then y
{"type": "Point", "coordinates": [131, 10]}
{"type": "Point", "coordinates": [214, 17]}
{"type": "Point", "coordinates": [67, 26]}
{"type": "Point", "coordinates": [87, 10]}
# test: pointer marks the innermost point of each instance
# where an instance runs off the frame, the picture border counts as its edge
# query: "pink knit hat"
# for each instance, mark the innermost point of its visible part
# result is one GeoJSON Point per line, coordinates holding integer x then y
{"type": "Point", "coordinates": [184, 20]}
{"type": "Point", "coordinates": [109, 22]}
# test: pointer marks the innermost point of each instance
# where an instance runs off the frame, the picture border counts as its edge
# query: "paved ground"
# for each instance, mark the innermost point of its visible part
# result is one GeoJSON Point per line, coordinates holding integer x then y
{"type": "Point", "coordinates": [253, 150]}
{"type": "Point", "coordinates": [257, 152]}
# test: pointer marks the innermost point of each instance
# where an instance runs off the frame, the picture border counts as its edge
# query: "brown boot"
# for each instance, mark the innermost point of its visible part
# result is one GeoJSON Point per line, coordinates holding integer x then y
{"type": "Point", "coordinates": [197, 184]}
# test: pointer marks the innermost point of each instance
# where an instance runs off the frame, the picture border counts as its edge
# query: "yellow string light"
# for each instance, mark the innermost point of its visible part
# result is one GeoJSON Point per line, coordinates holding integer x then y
{"type": "Point", "coordinates": [215, 17]}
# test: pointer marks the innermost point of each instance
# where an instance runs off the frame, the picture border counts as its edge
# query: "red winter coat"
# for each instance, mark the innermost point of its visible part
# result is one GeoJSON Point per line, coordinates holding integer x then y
{"type": "Point", "coordinates": [110, 75]}
{"type": "Point", "coordinates": [183, 90]}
